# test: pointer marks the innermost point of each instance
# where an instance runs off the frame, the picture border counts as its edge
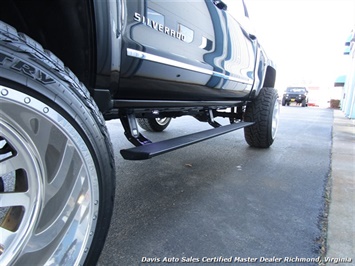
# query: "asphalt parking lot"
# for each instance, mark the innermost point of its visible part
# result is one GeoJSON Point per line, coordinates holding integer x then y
{"type": "Point", "coordinates": [221, 199]}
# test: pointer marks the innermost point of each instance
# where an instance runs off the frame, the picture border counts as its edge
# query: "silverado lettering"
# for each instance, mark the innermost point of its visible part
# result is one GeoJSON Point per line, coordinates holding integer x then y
{"type": "Point", "coordinates": [159, 27]}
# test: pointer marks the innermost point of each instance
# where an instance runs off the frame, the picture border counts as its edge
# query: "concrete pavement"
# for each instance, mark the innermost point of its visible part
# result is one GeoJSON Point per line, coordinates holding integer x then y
{"type": "Point", "coordinates": [171, 205]}
{"type": "Point", "coordinates": [341, 220]}
{"type": "Point", "coordinates": [223, 198]}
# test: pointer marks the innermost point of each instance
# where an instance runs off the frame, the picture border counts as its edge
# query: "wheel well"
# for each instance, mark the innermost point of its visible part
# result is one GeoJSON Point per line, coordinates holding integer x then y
{"type": "Point", "coordinates": [270, 77]}
{"type": "Point", "coordinates": [64, 27]}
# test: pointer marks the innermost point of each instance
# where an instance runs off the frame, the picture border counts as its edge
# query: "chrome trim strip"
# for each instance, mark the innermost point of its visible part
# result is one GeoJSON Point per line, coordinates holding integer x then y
{"type": "Point", "coordinates": [166, 61]}
{"type": "Point", "coordinates": [174, 63]}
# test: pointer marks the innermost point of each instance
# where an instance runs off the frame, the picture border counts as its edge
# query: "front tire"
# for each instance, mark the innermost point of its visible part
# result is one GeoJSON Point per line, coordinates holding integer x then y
{"type": "Point", "coordinates": [264, 111]}
{"type": "Point", "coordinates": [304, 103]}
{"type": "Point", "coordinates": [56, 162]}
{"type": "Point", "coordinates": [283, 102]}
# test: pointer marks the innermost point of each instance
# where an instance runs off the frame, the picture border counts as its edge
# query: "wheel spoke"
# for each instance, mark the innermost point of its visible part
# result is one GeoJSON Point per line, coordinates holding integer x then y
{"type": "Point", "coordinates": [65, 218]}
{"type": "Point", "coordinates": [11, 164]}
{"type": "Point", "coordinates": [42, 137]}
{"type": "Point", "coordinates": [15, 199]}
{"type": "Point", "coordinates": [59, 178]}
{"type": "Point", "coordinates": [6, 237]}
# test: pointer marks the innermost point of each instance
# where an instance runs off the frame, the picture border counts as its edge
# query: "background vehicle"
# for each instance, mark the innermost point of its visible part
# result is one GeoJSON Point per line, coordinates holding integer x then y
{"type": "Point", "coordinates": [295, 94]}
{"type": "Point", "coordinates": [146, 60]}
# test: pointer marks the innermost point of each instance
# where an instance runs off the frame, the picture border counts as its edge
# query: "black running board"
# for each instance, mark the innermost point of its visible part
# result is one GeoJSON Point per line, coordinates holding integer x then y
{"type": "Point", "coordinates": [153, 149]}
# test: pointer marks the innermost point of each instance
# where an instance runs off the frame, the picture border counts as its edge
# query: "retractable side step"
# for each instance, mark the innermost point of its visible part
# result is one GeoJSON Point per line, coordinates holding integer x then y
{"type": "Point", "coordinates": [153, 149]}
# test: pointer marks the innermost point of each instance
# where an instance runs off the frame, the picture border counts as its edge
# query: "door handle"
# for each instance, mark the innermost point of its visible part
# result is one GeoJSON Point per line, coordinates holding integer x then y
{"type": "Point", "coordinates": [252, 37]}
{"type": "Point", "coordinates": [220, 4]}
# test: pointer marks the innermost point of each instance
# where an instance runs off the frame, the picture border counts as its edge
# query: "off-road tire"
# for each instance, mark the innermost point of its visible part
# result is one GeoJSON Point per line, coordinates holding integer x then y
{"type": "Point", "coordinates": [264, 111]}
{"type": "Point", "coordinates": [304, 103]}
{"type": "Point", "coordinates": [56, 160]}
{"type": "Point", "coordinates": [154, 124]}
{"type": "Point", "coordinates": [283, 102]}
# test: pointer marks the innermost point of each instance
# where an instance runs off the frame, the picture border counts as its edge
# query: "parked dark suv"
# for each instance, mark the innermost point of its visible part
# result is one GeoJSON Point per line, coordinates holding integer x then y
{"type": "Point", "coordinates": [66, 66]}
{"type": "Point", "coordinates": [297, 95]}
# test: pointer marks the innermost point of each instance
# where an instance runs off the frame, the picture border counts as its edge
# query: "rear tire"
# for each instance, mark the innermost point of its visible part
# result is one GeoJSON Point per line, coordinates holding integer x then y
{"type": "Point", "coordinates": [264, 111]}
{"type": "Point", "coordinates": [56, 161]}
{"type": "Point", "coordinates": [154, 124]}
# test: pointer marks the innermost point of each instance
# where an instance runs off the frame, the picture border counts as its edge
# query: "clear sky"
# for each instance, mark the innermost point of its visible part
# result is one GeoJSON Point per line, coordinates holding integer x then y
{"type": "Point", "coordinates": [305, 38]}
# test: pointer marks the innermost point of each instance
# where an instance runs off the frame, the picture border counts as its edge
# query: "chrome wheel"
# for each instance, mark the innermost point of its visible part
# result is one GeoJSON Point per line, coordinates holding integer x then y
{"type": "Point", "coordinates": [275, 119]}
{"type": "Point", "coordinates": [163, 121]}
{"type": "Point", "coordinates": [49, 195]}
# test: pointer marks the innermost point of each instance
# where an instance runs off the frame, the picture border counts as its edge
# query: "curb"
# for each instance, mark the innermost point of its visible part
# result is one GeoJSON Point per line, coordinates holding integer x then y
{"type": "Point", "coordinates": [341, 219]}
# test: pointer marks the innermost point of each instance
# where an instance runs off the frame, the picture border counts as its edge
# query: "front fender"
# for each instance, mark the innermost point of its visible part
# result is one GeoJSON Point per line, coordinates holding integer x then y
{"type": "Point", "coordinates": [265, 73]}
{"type": "Point", "coordinates": [109, 16]}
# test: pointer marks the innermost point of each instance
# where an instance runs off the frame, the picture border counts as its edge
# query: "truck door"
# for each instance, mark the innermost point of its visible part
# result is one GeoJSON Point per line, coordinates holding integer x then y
{"type": "Point", "coordinates": [239, 63]}
{"type": "Point", "coordinates": [190, 42]}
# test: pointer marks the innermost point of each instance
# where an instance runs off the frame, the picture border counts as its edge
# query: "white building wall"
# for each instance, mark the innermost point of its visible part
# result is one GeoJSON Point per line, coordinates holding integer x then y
{"type": "Point", "coordinates": [348, 106]}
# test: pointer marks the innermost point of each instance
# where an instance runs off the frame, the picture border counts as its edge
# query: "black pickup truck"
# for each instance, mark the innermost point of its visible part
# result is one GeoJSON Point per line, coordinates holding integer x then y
{"type": "Point", "coordinates": [66, 66]}
{"type": "Point", "coordinates": [298, 95]}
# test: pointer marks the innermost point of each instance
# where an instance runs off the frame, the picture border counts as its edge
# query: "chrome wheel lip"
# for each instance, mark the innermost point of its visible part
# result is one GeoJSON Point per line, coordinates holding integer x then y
{"type": "Point", "coordinates": [76, 222]}
{"type": "Point", "coordinates": [275, 119]}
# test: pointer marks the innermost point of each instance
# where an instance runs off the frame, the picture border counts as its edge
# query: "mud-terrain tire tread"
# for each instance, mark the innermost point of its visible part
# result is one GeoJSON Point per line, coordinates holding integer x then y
{"type": "Point", "coordinates": [260, 112]}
